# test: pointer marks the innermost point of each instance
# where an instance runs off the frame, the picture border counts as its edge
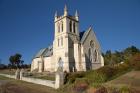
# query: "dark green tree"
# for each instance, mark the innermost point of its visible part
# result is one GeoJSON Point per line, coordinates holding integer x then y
{"type": "Point", "coordinates": [129, 52]}
{"type": "Point", "coordinates": [16, 60]}
{"type": "Point", "coordinates": [107, 57]}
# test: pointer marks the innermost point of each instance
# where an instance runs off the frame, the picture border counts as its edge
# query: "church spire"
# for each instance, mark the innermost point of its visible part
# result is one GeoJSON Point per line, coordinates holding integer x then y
{"type": "Point", "coordinates": [55, 16]}
{"type": "Point", "coordinates": [65, 11]}
{"type": "Point", "coordinates": [76, 15]}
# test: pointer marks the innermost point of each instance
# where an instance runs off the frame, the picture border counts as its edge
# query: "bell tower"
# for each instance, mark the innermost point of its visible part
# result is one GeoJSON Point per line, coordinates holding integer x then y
{"type": "Point", "coordinates": [66, 34]}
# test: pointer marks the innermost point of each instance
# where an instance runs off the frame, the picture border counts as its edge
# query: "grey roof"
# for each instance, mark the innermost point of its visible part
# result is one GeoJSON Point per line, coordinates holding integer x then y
{"type": "Point", "coordinates": [48, 52]}
{"type": "Point", "coordinates": [45, 52]}
{"type": "Point", "coordinates": [81, 34]}
{"type": "Point", "coordinates": [84, 34]}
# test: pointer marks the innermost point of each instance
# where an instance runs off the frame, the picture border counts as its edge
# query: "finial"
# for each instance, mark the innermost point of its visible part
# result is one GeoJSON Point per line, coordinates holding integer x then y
{"type": "Point", "coordinates": [76, 15]}
{"type": "Point", "coordinates": [65, 10]}
{"type": "Point", "coordinates": [56, 14]}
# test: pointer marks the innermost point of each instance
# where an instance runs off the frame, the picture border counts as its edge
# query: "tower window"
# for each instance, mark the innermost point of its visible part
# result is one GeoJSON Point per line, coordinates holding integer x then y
{"type": "Point", "coordinates": [62, 41]}
{"type": "Point", "coordinates": [74, 27]}
{"type": "Point", "coordinates": [62, 26]}
{"type": "Point", "coordinates": [58, 41]}
{"type": "Point", "coordinates": [70, 25]}
{"type": "Point", "coordinates": [58, 27]}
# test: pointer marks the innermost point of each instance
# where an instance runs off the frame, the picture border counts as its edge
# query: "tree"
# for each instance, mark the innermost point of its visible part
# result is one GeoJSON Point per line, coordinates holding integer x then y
{"type": "Point", "coordinates": [15, 60]}
{"type": "Point", "coordinates": [135, 61]}
{"type": "Point", "coordinates": [129, 52]}
{"type": "Point", "coordinates": [107, 57]}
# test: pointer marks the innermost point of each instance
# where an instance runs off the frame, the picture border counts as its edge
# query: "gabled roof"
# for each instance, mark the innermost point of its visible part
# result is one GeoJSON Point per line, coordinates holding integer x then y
{"type": "Point", "coordinates": [45, 52]}
{"type": "Point", "coordinates": [81, 34]}
{"type": "Point", "coordinates": [48, 52]}
{"type": "Point", "coordinates": [84, 34]}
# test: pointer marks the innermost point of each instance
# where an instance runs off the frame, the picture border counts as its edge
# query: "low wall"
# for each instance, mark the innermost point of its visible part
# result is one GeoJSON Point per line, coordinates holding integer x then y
{"type": "Point", "coordinates": [9, 76]}
{"type": "Point", "coordinates": [48, 83]}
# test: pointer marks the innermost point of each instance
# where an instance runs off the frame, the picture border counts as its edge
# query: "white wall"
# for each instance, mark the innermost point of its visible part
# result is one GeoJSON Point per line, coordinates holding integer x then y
{"type": "Point", "coordinates": [48, 83]}
{"type": "Point", "coordinates": [35, 63]}
{"type": "Point", "coordinates": [9, 76]}
{"type": "Point", "coordinates": [47, 64]}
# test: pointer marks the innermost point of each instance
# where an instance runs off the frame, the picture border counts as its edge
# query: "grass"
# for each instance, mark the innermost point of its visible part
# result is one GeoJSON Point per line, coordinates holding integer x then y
{"type": "Point", "coordinates": [123, 80]}
{"type": "Point", "coordinates": [46, 78]}
{"type": "Point", "coordinates": [130, 79]}
{"type": "Point", "coordinates": [42, 76]}
{"type": "Point", "coordinates": [8, 71]}
{"type": "Point", "coordinates": [4, 78]}
{"type": "Point", "coordinates": [17, 86]}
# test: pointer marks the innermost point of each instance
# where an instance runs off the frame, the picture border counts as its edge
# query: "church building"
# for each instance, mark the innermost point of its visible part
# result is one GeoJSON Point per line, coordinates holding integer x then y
{"type": "Point", "coordinates": [71, 49]}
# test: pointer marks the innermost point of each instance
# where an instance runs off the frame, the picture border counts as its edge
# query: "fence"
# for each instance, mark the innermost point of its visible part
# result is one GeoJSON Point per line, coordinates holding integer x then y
{"type": "Point", "coordinates": [9, 76]}
{"type": "Point", "coordinates": [53, 84]}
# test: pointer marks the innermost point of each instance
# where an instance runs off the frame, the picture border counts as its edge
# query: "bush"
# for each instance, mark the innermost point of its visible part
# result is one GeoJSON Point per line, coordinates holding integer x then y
{"type": "Point", "coordinates": [80, 85]}
{"type": "Point", "coordinates": [124, 89]}
{"type": "Point", "coordinates": [95, 79]}
{"type": "Point", "coordinates": [108, 71]}
{"type": "Point", "coordinates": [72, 76]}
{"type": "Point", "coordinates": [135, 61]}
{"type": "Point", "coordinates": [101, 89]}
{"type": "Point", "coordinates": [122, 67]}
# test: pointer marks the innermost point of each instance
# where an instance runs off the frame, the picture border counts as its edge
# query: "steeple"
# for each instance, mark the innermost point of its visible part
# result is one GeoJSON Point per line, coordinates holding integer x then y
{"type": "Point", "coordinates": [76, 15]}
{"type": "Point", "coordinates": [55, 16]}
{"type": "Point", "coordinates": [65, 11]}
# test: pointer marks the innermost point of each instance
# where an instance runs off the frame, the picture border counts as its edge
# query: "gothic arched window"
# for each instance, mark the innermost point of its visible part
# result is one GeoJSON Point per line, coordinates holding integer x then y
{"type": "Point", "coordinates": [89, 53]}
{"type": "Point", "coordinates": [91, 44]}
{"type": "Point", "coordinates": [62, 41]}
{"type": "Point", "coordinates": [70, 25]}
{"type": "Point", "coordinates": [62, 26]}
{"type": "Point", "coordinates": [58, 41]}
{"type": "Point", "coordinates": [95, 55]}
{"type": "Point", "coordinates": [74, 27]}
{"type": "Point", "coordinates": [58, 26]}
{"type": "Point", "coordinates": [60, 63]}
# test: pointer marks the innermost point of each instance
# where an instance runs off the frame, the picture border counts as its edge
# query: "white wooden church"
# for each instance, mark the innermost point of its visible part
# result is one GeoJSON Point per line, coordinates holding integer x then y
{"type": "Point", "coordinates": [72, 49]}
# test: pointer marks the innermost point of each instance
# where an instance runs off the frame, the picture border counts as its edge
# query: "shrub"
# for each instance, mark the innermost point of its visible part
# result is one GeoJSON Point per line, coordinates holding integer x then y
{"type": "Point", "coordinates": [135, 61]}
{"type": "Point", "coordinates": [66, 75]}
{"type": "Point", "coordinates": [72, 76]}
{"type": "Point", "coordinates": [80, 85]}
{"type": "Point", "coordinates": [96, 79]}
{"type": "Point", "coordinates": [108, 71]}
{"type": "Point", "coordinates": [122, 67]}
{"type": "Point", "coordinates": [124, 89]}
{"type": "Point", "coordinates": [101, 89]}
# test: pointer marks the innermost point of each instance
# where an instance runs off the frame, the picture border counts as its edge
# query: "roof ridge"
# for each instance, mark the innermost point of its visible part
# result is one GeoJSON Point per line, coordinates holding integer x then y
{"type": "Point", "coordinates": [85, 34]}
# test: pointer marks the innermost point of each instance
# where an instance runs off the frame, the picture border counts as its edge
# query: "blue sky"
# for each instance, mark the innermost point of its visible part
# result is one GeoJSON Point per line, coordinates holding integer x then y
{"type": "Point", "coordinates": [27, 25]}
